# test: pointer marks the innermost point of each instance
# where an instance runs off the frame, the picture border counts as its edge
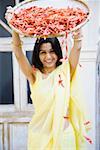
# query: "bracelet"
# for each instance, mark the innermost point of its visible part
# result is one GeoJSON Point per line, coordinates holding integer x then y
{"type": "Point", "coordinates": [78, 39]}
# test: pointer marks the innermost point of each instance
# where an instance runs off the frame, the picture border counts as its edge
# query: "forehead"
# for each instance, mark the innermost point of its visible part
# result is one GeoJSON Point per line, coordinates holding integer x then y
{"type": "Point", "coordinates": [46, 47]}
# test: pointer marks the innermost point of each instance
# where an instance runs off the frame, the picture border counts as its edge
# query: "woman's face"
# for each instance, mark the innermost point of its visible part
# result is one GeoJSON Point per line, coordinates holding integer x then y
{"type": "Point", "coordinates": [48, 56]}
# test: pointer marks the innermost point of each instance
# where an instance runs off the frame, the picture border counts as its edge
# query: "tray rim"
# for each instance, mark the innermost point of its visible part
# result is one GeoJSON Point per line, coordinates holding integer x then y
{"type": "Point", "coordinates": [51, 35]}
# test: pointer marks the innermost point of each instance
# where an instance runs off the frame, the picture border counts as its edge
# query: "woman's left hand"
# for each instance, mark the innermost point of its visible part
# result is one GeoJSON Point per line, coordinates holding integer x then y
{"type": "Point", "coordinates": [77, 35]}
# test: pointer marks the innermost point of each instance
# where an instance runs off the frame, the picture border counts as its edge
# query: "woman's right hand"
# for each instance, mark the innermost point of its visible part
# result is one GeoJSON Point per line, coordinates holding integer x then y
{"type": "Point", "coordinates": [15, 35]}
{"type": "Point", "coordinates": [9, 13]}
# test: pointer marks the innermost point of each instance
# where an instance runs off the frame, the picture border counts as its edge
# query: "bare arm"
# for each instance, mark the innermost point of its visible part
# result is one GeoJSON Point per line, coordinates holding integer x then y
{"type": "Point", "coordinates": [75, 52]}
{"type": "Point", "coordinates": [73, 60]}
{"type": "Point", "coordinates": [22, 60]}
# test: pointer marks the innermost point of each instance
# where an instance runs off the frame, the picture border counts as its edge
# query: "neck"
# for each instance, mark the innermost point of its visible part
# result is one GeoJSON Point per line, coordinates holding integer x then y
{"type": "Point", "coordinates": [47, 70]}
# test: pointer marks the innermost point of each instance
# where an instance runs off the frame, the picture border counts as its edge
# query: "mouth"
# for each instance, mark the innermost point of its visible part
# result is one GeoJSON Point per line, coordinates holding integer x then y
{"type": "Point", "coordinates": [48, 62]}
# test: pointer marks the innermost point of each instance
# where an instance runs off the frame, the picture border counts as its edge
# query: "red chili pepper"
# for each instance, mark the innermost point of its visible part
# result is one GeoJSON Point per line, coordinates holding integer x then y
{"type": "Point", "coordinates": [63, 59]}
{"type": "Point", "coordinates": [80, 65]}
{"type": "Point", "coordinates": [60, 81]}
{"type": "Point", "coordinates": [88, 139]}
{"type": "Point", "coordinates": [66, 117]}
{"type": "Point", "coordinates": [34, 69]}
{"type": "Point", "coordinates": [86, 123]}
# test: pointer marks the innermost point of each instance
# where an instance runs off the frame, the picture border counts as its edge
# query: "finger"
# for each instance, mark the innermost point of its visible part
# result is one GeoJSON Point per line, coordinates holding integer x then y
{"type": "Point", "coordinates": [77, 31]}
{"type": "Point", "coordinates": [9, 10]}
{"type": "Point", "coordinates": [8, 15]}
{"type": "Point", "coordinates": [77, 34]}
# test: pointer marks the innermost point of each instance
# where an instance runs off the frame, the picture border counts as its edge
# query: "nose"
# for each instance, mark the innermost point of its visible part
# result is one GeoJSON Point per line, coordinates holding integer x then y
{"type": "Point", "coordinates": [48, 55]}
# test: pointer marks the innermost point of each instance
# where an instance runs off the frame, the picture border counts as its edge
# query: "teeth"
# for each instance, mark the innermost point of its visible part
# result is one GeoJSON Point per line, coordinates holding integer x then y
{"type": "Point", "coordinates": [48, 61]}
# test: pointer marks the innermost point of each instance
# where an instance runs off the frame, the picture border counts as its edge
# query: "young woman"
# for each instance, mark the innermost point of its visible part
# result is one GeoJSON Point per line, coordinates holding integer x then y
{"type": "Point", "coordinates": [58, 122]}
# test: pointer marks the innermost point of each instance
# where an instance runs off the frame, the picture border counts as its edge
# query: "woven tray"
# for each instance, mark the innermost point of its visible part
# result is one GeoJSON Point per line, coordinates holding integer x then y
{"type": "Point", "coordinates": [51, 3]}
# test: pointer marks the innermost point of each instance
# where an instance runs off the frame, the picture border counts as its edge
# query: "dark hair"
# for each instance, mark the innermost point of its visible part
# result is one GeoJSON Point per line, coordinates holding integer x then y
{"type": "Point", "coordinates": [56, 47]}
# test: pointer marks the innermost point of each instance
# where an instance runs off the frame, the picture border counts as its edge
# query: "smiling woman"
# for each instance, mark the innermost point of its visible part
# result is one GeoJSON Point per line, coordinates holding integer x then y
{"type": "Point", "coordinates": [53, 92]}
{"type": "Point", "coordinates": [52, 81]}
{"type": "Point", "coordinates": [14, 118]}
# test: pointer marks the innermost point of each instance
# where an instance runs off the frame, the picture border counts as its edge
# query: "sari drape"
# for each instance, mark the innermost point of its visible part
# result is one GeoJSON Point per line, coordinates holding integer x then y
{"type": "Point", "coordinates": [52, 98]}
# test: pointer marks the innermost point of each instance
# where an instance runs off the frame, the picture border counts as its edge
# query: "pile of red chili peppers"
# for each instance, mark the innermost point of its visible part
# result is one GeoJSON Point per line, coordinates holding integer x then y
{"type": "Point", "coordinates": [40, 21]}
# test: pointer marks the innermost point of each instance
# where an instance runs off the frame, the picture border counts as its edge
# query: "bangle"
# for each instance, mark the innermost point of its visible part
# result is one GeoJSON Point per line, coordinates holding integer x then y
{"type": "Point", "coordinates": [78, 39]}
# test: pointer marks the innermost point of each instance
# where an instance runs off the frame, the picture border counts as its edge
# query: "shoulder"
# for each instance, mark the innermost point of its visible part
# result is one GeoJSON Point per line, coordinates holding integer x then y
{"type": "Point", "coordinates": [64, 68]}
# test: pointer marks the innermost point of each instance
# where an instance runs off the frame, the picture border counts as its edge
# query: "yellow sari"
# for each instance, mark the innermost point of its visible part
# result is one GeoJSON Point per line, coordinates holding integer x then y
{"type": "Point", "coordinates": [53, 97]}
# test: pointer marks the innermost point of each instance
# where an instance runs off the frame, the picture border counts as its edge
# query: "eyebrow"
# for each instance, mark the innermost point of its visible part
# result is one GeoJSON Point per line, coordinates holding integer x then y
{"type": "Point", "coordinates": [48, 50]}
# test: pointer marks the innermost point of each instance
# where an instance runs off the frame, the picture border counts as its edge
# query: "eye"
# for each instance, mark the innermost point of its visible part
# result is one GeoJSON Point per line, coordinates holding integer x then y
{"type": "Point", "coordinates": [52, 51]}
{"type": "Point", "coordinates": [42, 52]}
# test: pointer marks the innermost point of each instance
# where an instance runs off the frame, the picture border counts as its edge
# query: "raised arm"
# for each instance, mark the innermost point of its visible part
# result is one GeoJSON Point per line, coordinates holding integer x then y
{"type": "Point", "coordinates": [75, 52]}
{"type": "Point", "coordinates": [21, 58]}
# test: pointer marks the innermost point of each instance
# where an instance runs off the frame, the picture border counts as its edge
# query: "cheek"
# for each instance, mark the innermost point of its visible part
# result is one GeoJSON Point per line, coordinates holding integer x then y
{"type": "Point", "coordinates": [41, 57]}
{"type": "Point", "coordinates": [56, 57]}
